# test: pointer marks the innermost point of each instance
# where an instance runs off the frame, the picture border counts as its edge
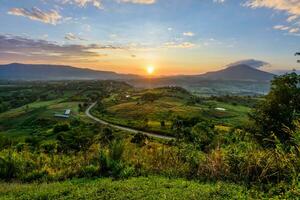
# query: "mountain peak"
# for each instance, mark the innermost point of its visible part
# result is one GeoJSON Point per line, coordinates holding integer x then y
{"type": "Point", "coordinates": [241, 72]}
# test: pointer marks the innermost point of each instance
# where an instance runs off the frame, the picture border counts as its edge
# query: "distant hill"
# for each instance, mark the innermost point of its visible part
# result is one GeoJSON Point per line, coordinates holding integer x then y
{"type": "Point", "coordinates": [17, 71]}
{"type": "Point", "coordinates": [239, 72]}
{"type": "Point", "coordinates": [237, 79]}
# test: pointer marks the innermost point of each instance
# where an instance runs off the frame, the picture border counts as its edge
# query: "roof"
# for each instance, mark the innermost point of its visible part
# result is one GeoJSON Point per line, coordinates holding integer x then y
{"type": "Point", "coordinates": [67, 111]}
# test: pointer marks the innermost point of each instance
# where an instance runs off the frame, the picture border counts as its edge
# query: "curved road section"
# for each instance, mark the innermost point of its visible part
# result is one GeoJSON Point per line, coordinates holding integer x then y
{"type": "Point", "coordinates": [131, 130]}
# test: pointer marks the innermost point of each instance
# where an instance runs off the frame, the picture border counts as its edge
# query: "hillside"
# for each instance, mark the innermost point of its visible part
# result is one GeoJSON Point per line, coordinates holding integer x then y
{"type": "Point", "coordinates": [17, 71]}
{"type": "Point", "coordinates": [237, 79]}
{"type": "Point", "coordinates": [239, 72]}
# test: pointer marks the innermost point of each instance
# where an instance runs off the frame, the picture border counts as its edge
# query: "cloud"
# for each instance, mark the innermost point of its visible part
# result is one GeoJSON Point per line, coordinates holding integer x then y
{"type": "Point", "coordinates": [291, 7]}
{"type": "Point", "coordinates": [252, 63]}
{"type": "Point", "coordinates": [15, 47]}
{"type": "Point", "coordinates": [294, 30]}
{"type": "Point", "coordinates": [287, 28]}
{"type": "Point", "coordinates": [50, 17]}
{"type": "Point", "coordinates": [189, 34]}
{"type": "Point", "coordinates": [71, 36]}
{"type": "Point", "coordinates": [183, 45]}
{"type": "Point", "coordinates": [281, 27]}
{"type": "Point", "coordinates": [219, 1]}
{"type": "Point", "coordinates": [292, 18]}
{"type": "Point", "coordinates": [84, 3]}
{"type": "Point", "coordinates": [138, 1]}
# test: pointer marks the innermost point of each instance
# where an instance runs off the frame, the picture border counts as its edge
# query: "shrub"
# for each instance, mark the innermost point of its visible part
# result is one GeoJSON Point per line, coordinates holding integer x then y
{"type": "Point", "coordinates": [49, 147]}
{"type": "Point", "coordinates": [61, 128]}
{"type": "Point", "coordinates": [202, 135]}
{"type": "Point", "coordinates": [140, 139]}
{"type": "Point", "coordinates": [8, 167]}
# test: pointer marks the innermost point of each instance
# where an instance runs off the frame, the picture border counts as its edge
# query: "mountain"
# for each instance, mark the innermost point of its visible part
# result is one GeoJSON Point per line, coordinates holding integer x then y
{"type": "Point", "coordinates": [17, 71]}
{"type": "Point", "coordinates": [240, 72]}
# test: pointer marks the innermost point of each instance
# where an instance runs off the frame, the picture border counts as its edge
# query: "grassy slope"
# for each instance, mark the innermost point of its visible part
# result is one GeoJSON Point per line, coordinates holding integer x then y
{"type": "Point", "coordinates": [129, 112]}
{"type": "Point", "coordinates": [134, 188]}
{"type": "Point", "coordinates": [13, 121]}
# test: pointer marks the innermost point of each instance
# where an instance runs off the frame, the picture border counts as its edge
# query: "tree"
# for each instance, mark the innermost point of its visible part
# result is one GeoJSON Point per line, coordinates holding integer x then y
{"type": "Point", "coordinates": [202, 134]}
{"type": "Point", "coordinates": [274, 118]}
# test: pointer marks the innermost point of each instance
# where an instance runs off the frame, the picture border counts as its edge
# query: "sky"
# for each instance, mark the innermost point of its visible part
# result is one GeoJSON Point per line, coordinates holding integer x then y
{"type": "Point", "coordinates": [172, 36]}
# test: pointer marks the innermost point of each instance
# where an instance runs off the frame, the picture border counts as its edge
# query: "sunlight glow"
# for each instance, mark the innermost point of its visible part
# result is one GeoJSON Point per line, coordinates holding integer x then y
{"type": "Point", "coordinates": [150, 69]}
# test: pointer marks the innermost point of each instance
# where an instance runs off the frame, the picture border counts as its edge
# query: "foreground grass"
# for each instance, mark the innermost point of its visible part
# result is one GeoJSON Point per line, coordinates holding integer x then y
{"type": "Point", "coordinates": [134, 188]}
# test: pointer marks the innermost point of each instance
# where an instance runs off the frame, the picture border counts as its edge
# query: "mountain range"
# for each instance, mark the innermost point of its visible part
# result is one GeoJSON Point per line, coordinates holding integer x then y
{"type": "Point", "coordinates": [17, 71]}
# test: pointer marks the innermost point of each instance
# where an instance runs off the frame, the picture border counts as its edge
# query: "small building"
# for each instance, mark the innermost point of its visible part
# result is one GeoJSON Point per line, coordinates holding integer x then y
{"type": "Point", "coordinates": [67, 111]}
{"type": "Point", "coordinates": [220, 109]}
{"type": "Point", "coordinates": [65, 115]}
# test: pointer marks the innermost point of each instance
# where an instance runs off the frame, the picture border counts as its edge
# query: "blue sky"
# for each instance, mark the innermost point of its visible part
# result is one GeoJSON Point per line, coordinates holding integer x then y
{"type": "Point", "coordinates": [174, 36]}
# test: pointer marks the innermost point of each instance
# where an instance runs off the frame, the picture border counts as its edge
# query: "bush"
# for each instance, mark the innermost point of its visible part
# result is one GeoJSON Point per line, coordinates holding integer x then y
{"type": "Point", "coordinates": [202, 135]}
{"type": "Point", "coordinates": [49, 147]}
{"type": "Point", "coordinates": [8, 167]}
{"type": "Point", "coordinates": [61, 128]}
{"type": "Point", "coordinates": [140, 139]}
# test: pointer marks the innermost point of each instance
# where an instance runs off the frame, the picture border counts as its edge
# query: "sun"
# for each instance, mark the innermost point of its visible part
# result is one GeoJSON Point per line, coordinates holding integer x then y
{"type": "Point", "coordinates": [150, 69]}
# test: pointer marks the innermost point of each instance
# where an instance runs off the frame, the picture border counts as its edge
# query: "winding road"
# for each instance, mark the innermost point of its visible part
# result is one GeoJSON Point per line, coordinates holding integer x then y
{"type": "Point", "coordinates": [131, 130]}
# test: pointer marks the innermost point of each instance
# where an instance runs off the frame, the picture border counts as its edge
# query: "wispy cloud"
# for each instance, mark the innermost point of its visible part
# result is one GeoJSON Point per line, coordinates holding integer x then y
{"type": "Point", "coordinates": [49, 17]}
{"type": "Point", "coordinates": [291, 7]}
{"type": "Point", "coordinates": [287, 28]}
{"type": "Point", "coordinates": [72, 37]}
{"type": "Point", "coordinates": [219, 1]}
{"type": "Point", "coordinates": [189, 34]}
{"type": "Point", "coordinates": [281, 27]}
{"type": "Point", "coordinates": [294, 30]}
{"type": "Point", "coordinates": [138, 1]}
{"type": "Point", "coordinates": [84, 3]}
{"type": "Point", "coordinates": [183, 45]}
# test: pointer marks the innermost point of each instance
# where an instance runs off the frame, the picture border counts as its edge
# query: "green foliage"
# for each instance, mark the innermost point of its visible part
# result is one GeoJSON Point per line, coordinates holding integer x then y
{"type": "Point", "coordinates": [153, 187]}
{"type": "Point", "coordinates": [150, 97]}
{"type": "Point", "coordinates": [49, 147]}
{"type": "Point", "coordinates": [5, 142]}
{"type": "Point", "coordinates": [111, 163]}
{"type": "Point", "coordinates": [139, 139]}
{"type": "Point", "coordinates": [74, 140]}
{"type": "Point", "coordinates": [107, 135]}
{"type": "Point", "coordinates": [61, 128]}
{"type": "Point", "coordinates": [202, 134]}
{"type": "Point", "coordinates": [275, 117]}
{"type": "Point", "coordinates": [8, 167]}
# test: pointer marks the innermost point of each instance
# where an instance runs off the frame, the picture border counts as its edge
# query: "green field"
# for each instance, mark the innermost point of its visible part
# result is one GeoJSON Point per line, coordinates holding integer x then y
{"type": "Point", "coordinates": [133, 188]}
